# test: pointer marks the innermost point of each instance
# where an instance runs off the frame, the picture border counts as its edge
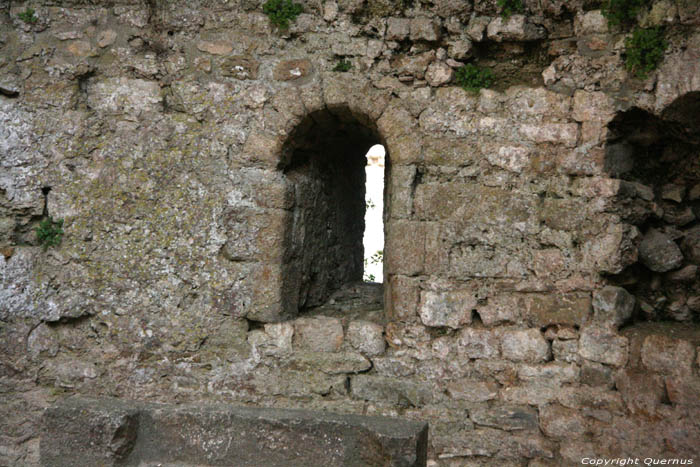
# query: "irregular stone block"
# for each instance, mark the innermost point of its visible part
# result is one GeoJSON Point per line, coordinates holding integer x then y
{"type": "Point", "coordinates": [366, 337]}
{"type": "Point", "coordinates": [524, 346]}
{"type": "Point", "coordinates": [558, 133]}
{"type": "Point", "coordinates": [330, 363]}
{"type": "Point", "coordinates": [545, 309]}
{"type": "Point", "coordinates": [124, 95]}
{"type": "Point", "coordinates": [658, 252]}
{"type": "Point", "coordinates": [667, 355]}
{"type": "Point", "coordinates": [111, 432]}
{"type": "Point", "coordinates": [500, 309]}
{"type": "Point", "coordinates": [291, 70]}
{"type": "Point", "coordinates": [511, 158]}
{"type": "Point", "coordinates": [452, 309]}
{"type": "Point", "coordinates": [603, 345]}
{"type": "Point", "coordinates": [643, 393]}
{"type": "Point", "coordinates": [425, 29]}
{"type": "Point", "coordinates": [478, 343]}
{"type": "Point", "coordinates": [240, 67]}
{"type": "Point", "coordinates": [215, 47]}
{"type": "Point", "coordinates": [438, 74]}
{"type": "Point", "coordinates": [590, 106]}
{"type": "Point", "coordinates": [514, 28]}
{"type": "Point", "coordinates": [472, 391]}
{"type": "Point", "coordinates": [88, 432]}
{"type": "Point", "coordinates": [505, 417]}
{"type": "Point", "coordinates": [392, 391]}
{"type": "Point", "coordinates": [613, 305]}
{"type": "Point", "coordinates": [590, 22]}
{"type": "Point", "coordinates": [320, 334]}
{"type": "Point", "coordinates": [397, 28]}
{"type": "Point", "coordinates": [561, 423]}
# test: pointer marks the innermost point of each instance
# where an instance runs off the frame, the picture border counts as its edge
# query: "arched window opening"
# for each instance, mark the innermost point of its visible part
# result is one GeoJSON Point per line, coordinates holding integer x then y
{"type": "Point", "coordinates": [325, 161]}
{"type": "Point", "coordinates": [659, 159]}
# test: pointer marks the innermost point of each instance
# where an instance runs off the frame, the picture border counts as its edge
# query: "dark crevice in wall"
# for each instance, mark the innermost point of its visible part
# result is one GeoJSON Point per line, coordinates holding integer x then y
{"type": "Point", "coordinates": [659, 160]}
{"type": "Point", "coordinates": [514, 63]}
{"type": "Point", "coordinates": [9, 92]}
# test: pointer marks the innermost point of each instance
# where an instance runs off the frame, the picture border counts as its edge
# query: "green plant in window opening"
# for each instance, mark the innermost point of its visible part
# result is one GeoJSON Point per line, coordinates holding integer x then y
{"type": "Point", "coordinates": [472, 78]}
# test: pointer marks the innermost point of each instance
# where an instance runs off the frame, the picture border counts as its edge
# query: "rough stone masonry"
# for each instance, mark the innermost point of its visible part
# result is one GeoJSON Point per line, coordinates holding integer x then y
{"type": "Point", "coordinates": [541, 301]}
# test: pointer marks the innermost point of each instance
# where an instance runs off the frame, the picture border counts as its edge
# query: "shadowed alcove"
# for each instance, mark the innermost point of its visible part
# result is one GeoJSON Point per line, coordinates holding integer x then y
{"type": "Point", "coordinates": [659, 159]}
{"type": "Point", "coordinates": [324, 161]}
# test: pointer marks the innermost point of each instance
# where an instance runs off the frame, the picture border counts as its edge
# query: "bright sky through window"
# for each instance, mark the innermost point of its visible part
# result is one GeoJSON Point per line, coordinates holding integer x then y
{"type": "Point", "coordinates": [373, 239]}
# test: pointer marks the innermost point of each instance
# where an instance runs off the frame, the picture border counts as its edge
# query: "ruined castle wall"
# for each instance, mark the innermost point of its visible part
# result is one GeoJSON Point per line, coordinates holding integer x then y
{"type": "Point", "coordinates": [171, 138]}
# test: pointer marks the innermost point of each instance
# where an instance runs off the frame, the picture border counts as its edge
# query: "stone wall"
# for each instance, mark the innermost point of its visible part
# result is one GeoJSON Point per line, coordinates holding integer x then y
{"type": "Point", "coordinates": [518, 319]}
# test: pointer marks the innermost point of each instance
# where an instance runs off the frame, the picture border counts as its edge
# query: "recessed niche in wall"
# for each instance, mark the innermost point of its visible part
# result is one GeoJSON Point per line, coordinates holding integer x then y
{"type": "Point", "coordinates": [660, 157]}
{"type": "Point", "coordinates": [325, 160]}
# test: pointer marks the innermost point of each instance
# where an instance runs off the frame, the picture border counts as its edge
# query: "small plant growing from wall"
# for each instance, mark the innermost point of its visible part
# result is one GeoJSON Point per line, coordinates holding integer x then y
{"type": "Point", "coordinates": [28, 16]}
{"type": "Point", "coordinates": [49, 232]}
{"type": "Point", "coordinates": [644, 51]}
{"type": "Point", "coordinates": [281, 12]}
{"type": "Point", "coordinates": [622, 11]}
{"type": "Point", "coordinates": [343, 66]}
{"type": "Point", "coordinates": [509, 7]}
{"type": "Point", "coordinates": [472, 78]}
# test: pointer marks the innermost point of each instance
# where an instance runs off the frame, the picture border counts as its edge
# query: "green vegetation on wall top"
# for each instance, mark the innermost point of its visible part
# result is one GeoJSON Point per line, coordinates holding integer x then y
{"type": "Point", "coordinates": [644, 51]}
{"type": "Point", "coordinates": [28, 16]}
{"type": "Point", "coordinates": [508, 7]}
{"type": "Point", "coordinates": [472, 78]}
{"type": "Point", "coordinates": [49, 232]}
{"type": "Point", "coordinates": [622, 11]}
{"type": "Point", "coordinates": [281, 12]}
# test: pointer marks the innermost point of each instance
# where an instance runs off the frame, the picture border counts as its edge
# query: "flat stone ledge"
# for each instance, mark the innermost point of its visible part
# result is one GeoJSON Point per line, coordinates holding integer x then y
{"type": "Point", "coordinates": [109, 432]}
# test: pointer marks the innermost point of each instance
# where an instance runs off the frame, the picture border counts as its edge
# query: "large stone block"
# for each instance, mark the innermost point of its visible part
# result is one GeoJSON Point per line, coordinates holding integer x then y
{"type": "Point", "coordinates": [113, 432]}
{"type": "Point", "coordinates": [602, 345]}
{"type": "Point", "coordinates": [667, 354]}
{"type": "Point", "coordinates": [525, 346]}
{"type": "Point", "coordinates": [320, 334]}
{"type": "Point", "coordinates": [451, 308]}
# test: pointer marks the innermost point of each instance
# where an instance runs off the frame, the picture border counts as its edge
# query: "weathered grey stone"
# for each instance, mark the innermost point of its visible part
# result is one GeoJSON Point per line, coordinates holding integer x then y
{"type": "Point", "coordinates": [514, 28]}
{"type": "Point", "coordinates": [111, 432]}
{"type": "Point", "coordinates": [478, 343]}
{"type": "Point", "coordinates": [658, 252]}
{"type": "Point", "coordinates": [643, 393]}
{"type": "Point", "coordinates": [472, 391]}
{"type": "Point", "coordinates": [438, 74]}
{"type": "Point", "coordinates": [291, 70]}
{"type": "Point", "coordinates": [366, 337]}
{"type": "Point", "coordinates": [613, 305]}
{"type": "Point", "coordinates": [505, 417]}
{"type": "Point", "coordinates": [397, 28]}
{"type": "Point", "coordinates": [124, 95]}
{"type": "Point", "coordinates": [240, 67]}
{"type": "Point", "coordinates": [320, 334]}
{"type": "Point", "coordinates": [524, 346]}
{"type": "Point", "coordinates": [215, 47]}
{"type": "Point", "coordinates": [452, 309]}
{"type": "Point", "coordinates": [499, 309]}
{"type": "Point", "coordinates": [426, 29]}
{"type": "Point", "coordinates": [561, 423]}
{"type": "Point", "coordinates": [331, 363]}
{"type": "Point", "coordinates": [603, 345]}
{"type": "Point", "coordinates": [667, 355]}
{"type": "Point", "coordinates": [395, 391]}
